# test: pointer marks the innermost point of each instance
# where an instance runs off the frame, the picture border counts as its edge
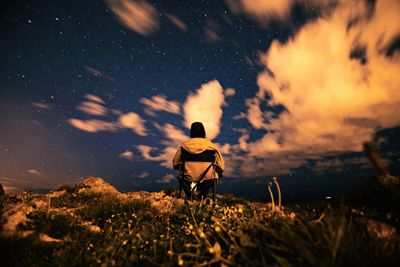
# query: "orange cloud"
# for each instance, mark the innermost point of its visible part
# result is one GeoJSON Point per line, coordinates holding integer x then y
{"type": "Point", "coordinates": [160, 103]}
{"type": "Point", "coordinates": [334, 101]}
{"type": "Point", "coordinates": [167, 179]}
{"type": "Point", "coordinates": [211, 35]}
{"type": "Point", "coordinates": [205, 106]}
{"type": "Point", "coordinates": [12, 185]}
{"type": "Point", "coordinates": [33, 171]}
{"type": "Point", "coordinates": [92, 108]}
{"type": "Point", "coordinates": [137, 15]}
{"type": "Point", "coordinates": [143, 175]}
{"type": "Point", "coordinates": [127, 155]}
{"type": "Point", "coordinates": [98, 73]}
{"type": "Point", "coordinates": [134, 122]}
{"type": "Point", "coordinates": [94, 98]}
{"type": "Point", "coordinates": [172, 139]}
{"type": "Point", "coordinates": [230, 92]}
{"type": "Point", "coordinates": [177, 22]}
{"type": "Point", "coordinates": [41, 105]}
{"type": "Point", "coordinates": [263, 10]}
{"type": "Point", "coordinates": [94, 126]}
{"type": "Point", "coordinates": [173, 135]}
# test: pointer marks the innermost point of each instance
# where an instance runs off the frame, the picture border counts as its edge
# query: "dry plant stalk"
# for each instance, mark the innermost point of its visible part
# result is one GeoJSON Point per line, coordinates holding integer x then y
{"type": "Point", "coordinates": [271, 195]}
{"type": "Point", "coordinates": [279, 191]}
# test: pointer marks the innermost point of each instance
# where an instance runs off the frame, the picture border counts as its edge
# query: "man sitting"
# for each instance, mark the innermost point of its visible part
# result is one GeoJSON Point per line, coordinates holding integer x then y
{"type": "Point", "coordinates": [198, 159]}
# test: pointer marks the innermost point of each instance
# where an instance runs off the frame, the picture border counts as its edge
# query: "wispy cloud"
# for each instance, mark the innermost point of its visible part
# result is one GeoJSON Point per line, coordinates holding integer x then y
{"type": "Point", "coordinates": [230, 92]}
{"type": "Point", "coordinates": [167, 179]}
{"type": "Point", "coordinates": [261, 9]}
{"type": "Point", "coordinates": [41, 105]}
{"type": "Point", "coordinates": [143, 175]}
{"type": "Point", "coordinates": [160, 103]}
{"type": "Point", "coordinates": [95, 106]}
{"type": "Point", "coordinates": [92, 108]}
{"type": "Point", "coordinates": [240, 116]}
{"type": "Point", "coordinates": [171, 137]}
{"type": "Point", "coordinates": [128, 155]}
{"type": "Point", "coordinates": [94, 126]}
{"type": "Point", "coordinates": [134, 122]}
{"type": "Point", "coordinates": [33, 171]}
{"type": "Point", "coordinates": [94, 98]}
{"type": "Point", "coordinates": [177, 22]}
{"type": "Point", "coordinates": [211, 35]}
{"type": "Point", "coordinates": [137, 15]}
{"type": "Point", "coordinates": [11, 185]}
{"type": "Point", "coordinates": [98, 73]}
{"type": "Point", "coordinates": [337, 165]}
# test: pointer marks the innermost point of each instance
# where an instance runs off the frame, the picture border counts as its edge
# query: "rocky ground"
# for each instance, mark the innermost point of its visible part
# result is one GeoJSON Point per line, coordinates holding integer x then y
{"type": "Point", "coordinates": [92, 223]}
{"type": "Point", "coordinates": [17, 207]}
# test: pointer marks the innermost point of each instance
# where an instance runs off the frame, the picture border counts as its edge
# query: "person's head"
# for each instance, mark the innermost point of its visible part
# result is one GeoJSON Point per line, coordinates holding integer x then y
{"type": "Point", "coordinates": [197, 130]}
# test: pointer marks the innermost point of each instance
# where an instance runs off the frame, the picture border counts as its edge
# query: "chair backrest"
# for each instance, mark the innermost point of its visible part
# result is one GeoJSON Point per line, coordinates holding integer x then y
{"type": "Point", "coordinates": [194, 165]}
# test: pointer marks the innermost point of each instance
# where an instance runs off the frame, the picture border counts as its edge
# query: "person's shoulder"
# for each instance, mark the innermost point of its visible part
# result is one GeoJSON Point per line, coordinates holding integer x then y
{"type": "Point", "coordinates": [213, 146]}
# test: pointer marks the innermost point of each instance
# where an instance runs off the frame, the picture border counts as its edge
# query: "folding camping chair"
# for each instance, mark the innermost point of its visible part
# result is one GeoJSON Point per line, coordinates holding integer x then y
{"type": "Point", "coordinates": [198, 173]}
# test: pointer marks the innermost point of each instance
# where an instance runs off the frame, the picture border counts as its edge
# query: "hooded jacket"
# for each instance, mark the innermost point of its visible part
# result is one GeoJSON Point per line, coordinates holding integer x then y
{"type": "Point", "coordinates": [193, 170]}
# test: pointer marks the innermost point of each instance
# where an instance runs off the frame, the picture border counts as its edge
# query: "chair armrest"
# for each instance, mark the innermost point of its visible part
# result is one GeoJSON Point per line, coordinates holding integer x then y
{"type": "Point", "coordinates": [177, 167]}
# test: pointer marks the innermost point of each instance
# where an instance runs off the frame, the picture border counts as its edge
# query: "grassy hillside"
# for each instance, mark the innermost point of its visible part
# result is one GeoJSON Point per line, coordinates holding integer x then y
{"type": "Point", "coordinates": [92, 224]}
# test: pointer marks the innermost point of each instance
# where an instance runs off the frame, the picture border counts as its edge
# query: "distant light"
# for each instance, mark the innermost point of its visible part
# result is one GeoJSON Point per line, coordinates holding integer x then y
{"type": "Point", "coordinates": [328, 197]}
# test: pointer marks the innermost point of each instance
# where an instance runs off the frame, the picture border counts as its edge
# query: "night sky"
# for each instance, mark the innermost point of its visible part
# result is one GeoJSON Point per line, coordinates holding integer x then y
{"type": "Point", "coordinates": [109, 88]}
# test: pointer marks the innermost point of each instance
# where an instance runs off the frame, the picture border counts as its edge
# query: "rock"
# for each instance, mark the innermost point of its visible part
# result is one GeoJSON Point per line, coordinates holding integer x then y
{"type": "Point", "coordinates": [48, 239]}
{"type": "Point", "coordinates": [91, 227]}
{"type": "Point", "coordinates": [158, 200]}
{"type": "Point", "coordinates": [27, 233]}
{"type": "Point", "coordinates": [98, 185]}
{"type": "Point", "coordinates": [14, 216]}
{"type": "Point", "coordinates": [40, 203]}
{"type": "Point", "coordinates": [56, 194]}
{"type": "Point", "coordinates": [380, 229]}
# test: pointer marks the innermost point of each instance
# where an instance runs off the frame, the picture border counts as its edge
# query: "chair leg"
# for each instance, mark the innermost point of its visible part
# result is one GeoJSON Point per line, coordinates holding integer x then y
{"type": "Point", "coordinates": [179, 189]}
{"type": "Point", "coordinates": [214, 190]}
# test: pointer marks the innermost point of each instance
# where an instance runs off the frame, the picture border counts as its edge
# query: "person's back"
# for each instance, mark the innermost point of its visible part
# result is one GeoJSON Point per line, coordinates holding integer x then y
{"type": "Point", "coordinates": [195, 155]}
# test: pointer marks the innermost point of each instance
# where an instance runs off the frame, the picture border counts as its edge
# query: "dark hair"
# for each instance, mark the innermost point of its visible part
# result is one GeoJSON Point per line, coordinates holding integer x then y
{"type": "Point", "coordinates": [197, 130]}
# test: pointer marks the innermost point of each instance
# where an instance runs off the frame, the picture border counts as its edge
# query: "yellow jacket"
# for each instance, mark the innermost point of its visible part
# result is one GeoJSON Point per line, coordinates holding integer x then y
{"type": "Point", "coordinates": [197, 146]}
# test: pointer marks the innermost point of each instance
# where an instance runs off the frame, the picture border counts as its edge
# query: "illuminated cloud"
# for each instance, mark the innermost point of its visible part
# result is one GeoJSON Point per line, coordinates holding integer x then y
{"type": "Point", "coordinates": [337, 165]}
{"type": "Point", "coordinates": [94, 98]}
{"type": "Point", "coordinates": [177, 22]}
{"type": "Point", "coordinates": [41, 105]}
{"type": "Point", "coordinates": [11, 185]}
{"type": "Point", "coordinates": [261, 9]}
{"type": "Point", "coordinates": [254, 113]}
{"type": "Point", "coordinates": [205, 106]}
{"type": "Point", "coordinates": [167, 179]}
{"type": "Point", "coordinates": [92, 108]}
{"type": "Point", "coordinates": [33, 171]}
{"type": "Point", "coordinates": [134, 122]}
{"type": "Point", "coordinates": [128, 155]}
{"type": "Point", "coordinates": [160, 103]}
{"type": "Point", "coordinates": [98, 73]}
{"type": "Point", "coordinates": [230, 92]}
{"type": "Point", "coordinates": [171, 139]}
{"type": "Point", "coordinates": [211, 35]}
{"type": "Point", "coordinates": [145, 151]}
{"type": "Point", "coordinates": [94, 126]}
{"type": "Point", "coordinates": [240, 116]}
{"type": "Point", "coordinates": [337, 81]}
{"type": "Point", "coordinates": [173, 135]}
{"type": "Point", "coordinates": [137, 15]}
{"type": "Point", "coordinates": [143, 175]}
